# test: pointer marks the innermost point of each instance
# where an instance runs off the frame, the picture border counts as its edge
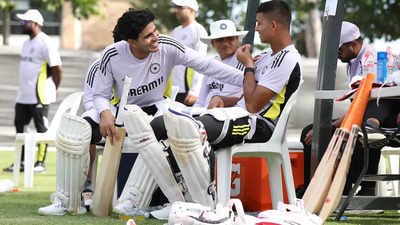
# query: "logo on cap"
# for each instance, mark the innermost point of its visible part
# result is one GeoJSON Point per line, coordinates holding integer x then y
{"type": "Point", "coordinates": [223, 26]}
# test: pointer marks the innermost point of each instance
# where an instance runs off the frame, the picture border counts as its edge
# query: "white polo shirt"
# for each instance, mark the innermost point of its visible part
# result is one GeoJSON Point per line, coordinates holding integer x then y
{"type": "Point", "coordinates": [212, 87]}
{"type": "Point", "coordinates": [190, 37]}
{"type": "Point", "coordinates": [36, 54]}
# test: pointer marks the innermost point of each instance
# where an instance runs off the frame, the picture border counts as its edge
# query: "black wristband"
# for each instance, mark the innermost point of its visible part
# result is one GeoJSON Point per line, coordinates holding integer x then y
{"type": "Point", "coordinates": [249, 69]}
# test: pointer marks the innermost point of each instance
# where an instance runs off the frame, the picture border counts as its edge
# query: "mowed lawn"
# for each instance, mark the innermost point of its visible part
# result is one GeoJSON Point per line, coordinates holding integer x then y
{"type": "Point", "coordinates": [21, 207]}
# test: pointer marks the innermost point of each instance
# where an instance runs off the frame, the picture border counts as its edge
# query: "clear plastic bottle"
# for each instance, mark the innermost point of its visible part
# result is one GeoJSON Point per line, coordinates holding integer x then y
{"type": "Point", "coordinates": [368, 62]}
{"type": "Point", "coordinates": [390, 65]}
{"type": "Point", "coordinates": [396, 72]}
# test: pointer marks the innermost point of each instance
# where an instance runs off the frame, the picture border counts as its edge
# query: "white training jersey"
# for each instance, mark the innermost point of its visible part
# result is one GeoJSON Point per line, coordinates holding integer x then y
{"type": "Point", "coordinates": [36, 54]}
{"type": "Point", "coordinates": [212, 87]}
{"type": "Point", "coordinates": [190, 37]}
{"type": "Point", "coordinates": [150, 75]}
{"type": "Point", "coordinates": [281, 73]}
{"type": "Point", "coordinates": [355, 66]}
{"type": "Point", "coordinates": [87, 99]}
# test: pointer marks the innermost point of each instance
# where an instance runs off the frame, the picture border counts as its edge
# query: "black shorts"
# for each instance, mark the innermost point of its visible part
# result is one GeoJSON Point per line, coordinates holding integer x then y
{"type": "Point", "coordinates": [96, 136]}
{"type": "Point", "coordinates": [24, 113]}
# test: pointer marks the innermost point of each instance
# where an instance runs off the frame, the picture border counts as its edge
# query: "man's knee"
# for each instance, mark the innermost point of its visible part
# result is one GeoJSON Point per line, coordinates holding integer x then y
{"type": "Point", "coordinates": [96, 136]}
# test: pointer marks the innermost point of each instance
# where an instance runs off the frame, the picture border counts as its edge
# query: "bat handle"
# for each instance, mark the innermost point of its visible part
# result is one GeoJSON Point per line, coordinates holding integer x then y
{"type": "Point", "coordinates": [124, 97]}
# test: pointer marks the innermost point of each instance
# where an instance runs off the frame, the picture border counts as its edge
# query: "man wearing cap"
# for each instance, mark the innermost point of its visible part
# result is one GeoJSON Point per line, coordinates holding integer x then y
{"type": "Point", "coordinates": [40, 76]}
{"type": "Point", "coordinates": [188, 33]}
{"type": "Point", "coordinates": [225, 39]}
{"type": "Point", "coordinates": [355, 52]}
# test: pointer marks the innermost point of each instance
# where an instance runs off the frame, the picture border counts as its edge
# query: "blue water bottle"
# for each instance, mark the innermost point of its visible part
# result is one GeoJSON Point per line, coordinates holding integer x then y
{"type": "Point", "coordinates": [381, 67]}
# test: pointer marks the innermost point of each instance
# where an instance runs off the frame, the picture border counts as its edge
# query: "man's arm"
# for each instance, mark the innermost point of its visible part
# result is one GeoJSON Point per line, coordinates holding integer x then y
{"type": "Point", "coordinates": [222, 101]}
{"type": "Point", "coordinates": [56, 72]}
{"type": "Point", "coordinates": [182, 55]}
{"type": "Point", "coordinates": [256, 96]}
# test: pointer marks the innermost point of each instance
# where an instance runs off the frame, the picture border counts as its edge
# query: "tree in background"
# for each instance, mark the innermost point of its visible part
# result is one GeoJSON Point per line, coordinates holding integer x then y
{"type": "Point", "coordinates": [209, 11]}
{"type": "Point", "coordinates": [6, 6]}
{"type": "Point", "coordinates": [80, 9]}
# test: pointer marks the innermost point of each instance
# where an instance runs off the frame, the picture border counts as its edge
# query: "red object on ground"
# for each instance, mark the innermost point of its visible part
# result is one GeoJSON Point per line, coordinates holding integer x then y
{"type": "Point", "coordinates": [250, 182]}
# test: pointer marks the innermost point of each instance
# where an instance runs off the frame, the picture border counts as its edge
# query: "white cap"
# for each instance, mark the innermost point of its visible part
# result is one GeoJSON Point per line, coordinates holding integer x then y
{"type": "Point", "coordinates": [221, 29]}
{"type": "Point", "coordinates": [350, 32]}
{"type": "Point", "coordinates": [189, 3]}
{"type": "Point", "coordinates": [32, 15]}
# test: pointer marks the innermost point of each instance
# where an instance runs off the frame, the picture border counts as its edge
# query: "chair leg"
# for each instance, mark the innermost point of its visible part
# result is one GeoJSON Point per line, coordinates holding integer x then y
{"type": "Point", "coordinates": [289, 181]}
{"type": "Point", "coordinates": [224, 170]}
{"type": "Point", "coordinates": [29, 160]}
{"type": "Point", "coordinates": [275, 179]}
{"type": "Point", "coordinates": [17, 163]}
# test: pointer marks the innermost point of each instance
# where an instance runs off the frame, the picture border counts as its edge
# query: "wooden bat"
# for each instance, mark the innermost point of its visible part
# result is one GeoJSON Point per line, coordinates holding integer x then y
{"type": "Point", "coordinates": [103, 195]}
{"type": "Point", "coordinates": [321, 182]}
{"type": "Point", "coordinates": [354, 119]}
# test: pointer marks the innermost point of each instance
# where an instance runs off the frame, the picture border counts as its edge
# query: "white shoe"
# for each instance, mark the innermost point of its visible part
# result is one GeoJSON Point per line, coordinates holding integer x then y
{"type": "Point", "coordinates": [6, 185]}
{"type": "Point", "coordinates": [161, 214]}
{"type": "Point", "coordinates": [128, 209]}
{"type": "Point", "coordinates": [39, 167]}
{"type": "Point", "coordinates": [57, 208]}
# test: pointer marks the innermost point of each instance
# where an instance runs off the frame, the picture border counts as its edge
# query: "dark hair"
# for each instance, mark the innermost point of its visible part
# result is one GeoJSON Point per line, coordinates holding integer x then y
{"type": "Point", "coordinates": [132, 23]}
{"type": "Point", "coordinates": [277, 10]}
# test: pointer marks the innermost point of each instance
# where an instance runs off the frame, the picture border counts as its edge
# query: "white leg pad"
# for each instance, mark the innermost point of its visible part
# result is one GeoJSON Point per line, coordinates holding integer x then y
{"type": "Point", "coordinates": [72, 143]}
{"type": "Point", "coordinates": [140, 185]}
{"type": "Point", "coordinates": [141, 135]}
{"type": "Point", "coordinates": [187, 140]}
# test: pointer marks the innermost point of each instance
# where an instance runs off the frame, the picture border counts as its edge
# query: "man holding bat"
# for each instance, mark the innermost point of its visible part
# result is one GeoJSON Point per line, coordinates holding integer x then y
{"type": "Point", "coordinates": [147, 58]}
{"type": "Point", "coordinates": [268, 84]}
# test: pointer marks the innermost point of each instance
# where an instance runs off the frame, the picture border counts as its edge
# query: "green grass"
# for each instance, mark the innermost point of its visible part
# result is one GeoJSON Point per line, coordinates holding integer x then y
{"type": "Point", "coordinates": [21, 207]}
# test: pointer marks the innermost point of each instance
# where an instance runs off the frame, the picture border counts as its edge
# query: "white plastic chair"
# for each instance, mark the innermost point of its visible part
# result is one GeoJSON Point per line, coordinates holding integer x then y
{"type": "Point", "coordinates": [70, 104]}
{"type": "Point", "coordinates": [275, 152]}
{"type": "Point", "coordinates": [389, 164]}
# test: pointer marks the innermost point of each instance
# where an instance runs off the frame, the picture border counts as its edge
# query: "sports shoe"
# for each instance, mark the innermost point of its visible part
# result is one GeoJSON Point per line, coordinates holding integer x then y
{"type": "Point", "coordinates": [87, 197]}
{"type": "Point", "coordinates": [128, 209]}
{"type": "Point", "coordinates": [39, 167]}
{"type": "Point", "coordinates": [161, 214]}
{"type": "Point", "coordinates": [10, 169]}
{"type": "Point", "coordinates": [57, 208]}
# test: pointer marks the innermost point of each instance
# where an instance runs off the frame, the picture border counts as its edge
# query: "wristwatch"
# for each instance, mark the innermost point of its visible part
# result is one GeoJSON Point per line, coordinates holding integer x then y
{"type": "Point", "coordinates": [249, 69]}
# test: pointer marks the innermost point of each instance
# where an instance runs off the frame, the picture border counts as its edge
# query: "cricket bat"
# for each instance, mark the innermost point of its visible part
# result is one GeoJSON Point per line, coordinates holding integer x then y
{"type": "Point", "coordinates": [335, 192]}
{"type": "Point", "coordinates": [320, 184]}
{"type": "Point", "coordinates": [103, 195]}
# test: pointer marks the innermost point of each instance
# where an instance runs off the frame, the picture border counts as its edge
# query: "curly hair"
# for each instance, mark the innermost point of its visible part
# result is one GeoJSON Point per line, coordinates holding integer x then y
{"type": "Point", "coordinates": [132, 23]}
{"type": "Point", "coordinates": [277, 10]}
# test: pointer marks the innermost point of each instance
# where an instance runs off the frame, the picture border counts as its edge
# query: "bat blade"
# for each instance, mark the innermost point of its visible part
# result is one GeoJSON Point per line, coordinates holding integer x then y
{"type": "Point", "coordinates": [319, 185]}
{"type": "Point", "coordinates": [103, 195]}
{"type": "Point", "coordinates": [335, 192]}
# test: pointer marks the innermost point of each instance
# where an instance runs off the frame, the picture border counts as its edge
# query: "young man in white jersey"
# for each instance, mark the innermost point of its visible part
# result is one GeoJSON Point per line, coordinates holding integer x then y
{"type": "Point", "coordinates": [148, 58]}
{"type": "Point", "coordinates": [40, 75]}
{"type": "Point", "coordinates": [189, 34]}
{"type": "Point", "coordinates": [268, 84]}
{"type": "Point", "coordinates": [225, 39]}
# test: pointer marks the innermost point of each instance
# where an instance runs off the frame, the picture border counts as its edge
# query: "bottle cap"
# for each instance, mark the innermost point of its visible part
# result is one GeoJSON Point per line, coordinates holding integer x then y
{"type": "Point", "coordinates": [382, 55]}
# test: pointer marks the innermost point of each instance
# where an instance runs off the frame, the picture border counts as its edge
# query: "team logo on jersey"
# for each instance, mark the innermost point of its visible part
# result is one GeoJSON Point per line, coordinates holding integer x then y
{"type": "Point", "coordinates": [154, 68]}
{"type": "Point", "coordinates": [223, 26]}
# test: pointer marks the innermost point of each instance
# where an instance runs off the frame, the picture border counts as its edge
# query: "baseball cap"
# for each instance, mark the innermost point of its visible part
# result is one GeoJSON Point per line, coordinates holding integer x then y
{"type": "Point", "coordinates": [221, 29]}
{"type": "Point", "coordinates": [189, 3]}
{"type": "Point", "coordinates": [32, 15]}
{"type": "Point", "coordinates": [349, 32]}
